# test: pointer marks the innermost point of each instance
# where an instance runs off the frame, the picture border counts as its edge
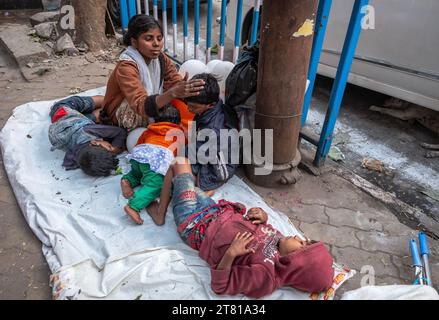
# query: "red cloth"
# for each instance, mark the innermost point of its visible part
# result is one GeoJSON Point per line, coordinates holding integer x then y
{"type": "Point", "coordinates": [259, 274]}
{"type": "Point", "coordinates": [61, 112]}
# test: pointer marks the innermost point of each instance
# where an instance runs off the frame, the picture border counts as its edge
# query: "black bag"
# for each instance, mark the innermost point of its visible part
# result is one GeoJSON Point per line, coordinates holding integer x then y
{"type": "Point", "coordinates": [242, 80]}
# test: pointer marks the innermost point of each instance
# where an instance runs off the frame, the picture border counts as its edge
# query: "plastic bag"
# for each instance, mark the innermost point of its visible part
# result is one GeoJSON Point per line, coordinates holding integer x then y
{"type": "Point", "coordinates": [241, 82]}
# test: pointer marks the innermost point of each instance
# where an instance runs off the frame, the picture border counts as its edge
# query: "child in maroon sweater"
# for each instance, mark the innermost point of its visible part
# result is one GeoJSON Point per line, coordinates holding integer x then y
{"type": "Point", "coordinates": [246, 255]}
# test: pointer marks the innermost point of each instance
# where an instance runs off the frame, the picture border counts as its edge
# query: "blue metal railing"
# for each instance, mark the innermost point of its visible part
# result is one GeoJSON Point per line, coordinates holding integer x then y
{"type": "Point", "coordinates": [341, 78]}
{"type": "Point", "coordinates": [130, 7]}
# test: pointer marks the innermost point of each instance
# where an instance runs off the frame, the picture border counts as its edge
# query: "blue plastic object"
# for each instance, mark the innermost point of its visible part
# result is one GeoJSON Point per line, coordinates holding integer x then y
{"type": "Point", "coordinates": [416, 259]}
{"type": "Point", "coordinates": [423, 243]}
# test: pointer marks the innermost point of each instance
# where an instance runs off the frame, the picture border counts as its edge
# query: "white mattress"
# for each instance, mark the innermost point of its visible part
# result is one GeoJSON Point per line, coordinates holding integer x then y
{"type": "Point", "coordinates": [93, 249]}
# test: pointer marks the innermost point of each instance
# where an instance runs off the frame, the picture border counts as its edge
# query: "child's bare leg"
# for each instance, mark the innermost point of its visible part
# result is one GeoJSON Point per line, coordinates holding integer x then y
{"type": "Point", "coordinates": [156, 215]}
{"type": "Point", "coordinates": [98, 101]}
{"type": "Point", "coordinates": [127, 190]}
{"type": "Point", "coordinates": [157, 211]}
{"type": "Point", "coordinates": [133, 214]}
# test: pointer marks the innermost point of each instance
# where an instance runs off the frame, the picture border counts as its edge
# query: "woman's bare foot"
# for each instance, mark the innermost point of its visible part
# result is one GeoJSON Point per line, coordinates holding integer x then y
{"type": "Point", "coordinates": [153, 211]}
{"type": "Point", "coordinates": [133, 214]}
{"type": "Point", "coordinates": [127, 191]}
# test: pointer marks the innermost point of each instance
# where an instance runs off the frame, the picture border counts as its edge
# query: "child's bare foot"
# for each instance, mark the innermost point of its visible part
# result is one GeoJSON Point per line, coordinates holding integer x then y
{"type": "Point", "coordinates": [153, 211]}
{"type": "Point", "coordinates": [133, 214]}
{"type": "Point", "coordinates": [127, 191]}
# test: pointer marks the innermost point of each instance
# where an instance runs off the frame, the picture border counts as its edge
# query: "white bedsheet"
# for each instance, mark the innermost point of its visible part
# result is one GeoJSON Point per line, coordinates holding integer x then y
{"type": "Point", "coordinates": [93, 249]}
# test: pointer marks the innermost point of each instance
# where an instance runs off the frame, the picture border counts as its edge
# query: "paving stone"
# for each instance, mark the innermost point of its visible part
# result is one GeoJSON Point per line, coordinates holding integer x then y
{"type": "Point", "coordinates": [309, 213]}
{"type": "Point", "coordinates": [355, 219]}
{"type": "Point", "coordinates": [6, 194]}
{"type": "Point", "coordinates": [380, 241]}
{"type": "Point", "coordinates": [20, 45]}
{"type": "Point", "coordinates": [356, 259]}
{"type": "Point", "coordinates": [340, 236]}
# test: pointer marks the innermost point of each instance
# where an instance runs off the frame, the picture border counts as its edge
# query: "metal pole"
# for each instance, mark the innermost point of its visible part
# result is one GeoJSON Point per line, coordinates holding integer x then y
{"type": "Point", "coordinates": [139, 7]}
{"type": "Point", "coordinates": [196, 28]}
{"type": "Point", "coordinates": [223, 28]}
{"type": "Point", "coordinates": [209, 31]}
{"type": "Point", "coordinates": [319, 37]}
{"type": "Point", "coordinates": [185, 30]}
{"type": "Point", "coordinates": [284, 55]}
{"type": "Point", "coordinates": [255, 22]}
{"type": "Point", "coordinates": [124, 16]}
{"type": "Point", "coordinates": [165, 24]}
{"type": "Point", "coordinates": [132, 8]}
{"type": "Point", "coordinates": [238, 27]}
{"type": "Point", "coordinates": [340, 81]}
{"type": "Point", "coordinates": [424, 254]}
{"type": "Point", "coordinates": [174, 27]}
{"type": "Point", "coordinates": [147, 7]}
{"type": "Point", "coordinates": [155, 9]}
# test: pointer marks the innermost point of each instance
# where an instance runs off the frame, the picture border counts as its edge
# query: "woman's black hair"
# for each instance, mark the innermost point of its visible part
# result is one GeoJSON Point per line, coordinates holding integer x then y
{"type": "Point", "coordinates": [139, 24]}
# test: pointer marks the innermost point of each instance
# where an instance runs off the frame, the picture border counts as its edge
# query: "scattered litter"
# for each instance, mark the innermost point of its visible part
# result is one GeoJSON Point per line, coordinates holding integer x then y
{"type": "Point", "coordinates": [373, 165]}
{"type": "Point", "coordinates": [434, 194]}
{"type": "Point", "coordinates": [75, 90]}
{"type": "Point", "coordinates": [29, 136]}
{"type": "Point", "coordinates": [138, 297]}
{"type": "Point", "coordinates": [41, 71]}
{"type": "Point", "coordinates": [336, 154]}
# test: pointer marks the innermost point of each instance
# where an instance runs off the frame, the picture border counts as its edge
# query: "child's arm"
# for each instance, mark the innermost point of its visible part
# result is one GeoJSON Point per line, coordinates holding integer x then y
{"type": "Point", "coordinates": [257, 216]}
{"type": "Point", "coordinates": [237, 248]}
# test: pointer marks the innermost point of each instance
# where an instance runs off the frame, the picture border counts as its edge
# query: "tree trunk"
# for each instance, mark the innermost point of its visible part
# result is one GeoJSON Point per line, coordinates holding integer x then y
{"type": "Point", "coordinates": [90, 23]}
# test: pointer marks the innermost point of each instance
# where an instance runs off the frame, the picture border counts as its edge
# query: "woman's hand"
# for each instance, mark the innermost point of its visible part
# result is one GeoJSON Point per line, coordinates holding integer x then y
{"type": "Point", "coordinates": [257, 216]}
{"type": "Point", "coordinates": [185, 88]}
{"type": "Point", "coordinates": [238, 247]}
{"type": "Point", "coordinates": [104, 144]}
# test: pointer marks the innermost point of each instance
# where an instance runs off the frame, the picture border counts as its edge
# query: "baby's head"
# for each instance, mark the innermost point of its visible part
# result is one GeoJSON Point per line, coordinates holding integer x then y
{"type": "Point", "coordinates": [207, 98]}
{"type": "Point", "coordinates": [169, 113]}
{"type": "Point", "coordinates": [96, 161]}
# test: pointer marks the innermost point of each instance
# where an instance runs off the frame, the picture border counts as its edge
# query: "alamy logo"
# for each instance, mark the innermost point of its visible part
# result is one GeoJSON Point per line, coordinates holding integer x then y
{"type": "Point", "coordinates": [225, 147]}
{"type": "Point", "coordinates": [67, 22]}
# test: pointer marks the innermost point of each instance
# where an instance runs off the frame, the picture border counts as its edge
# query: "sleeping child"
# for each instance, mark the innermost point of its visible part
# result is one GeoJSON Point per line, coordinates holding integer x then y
{"type": "Point", "coordinates": [76, 128]}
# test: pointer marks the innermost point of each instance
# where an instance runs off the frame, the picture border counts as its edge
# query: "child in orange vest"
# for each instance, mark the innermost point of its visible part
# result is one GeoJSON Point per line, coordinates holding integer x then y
{"type": "Point", "coordinates": [150, 160]}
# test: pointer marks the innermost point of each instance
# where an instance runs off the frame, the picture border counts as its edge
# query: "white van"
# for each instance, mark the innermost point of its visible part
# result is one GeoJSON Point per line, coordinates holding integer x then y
{"type": "Point", "coordinates": [399, 58]}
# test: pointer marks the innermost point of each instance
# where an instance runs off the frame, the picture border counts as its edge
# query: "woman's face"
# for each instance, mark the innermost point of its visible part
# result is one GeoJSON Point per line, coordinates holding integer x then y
{"type": "Point", "coordinates": [149, 43]}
